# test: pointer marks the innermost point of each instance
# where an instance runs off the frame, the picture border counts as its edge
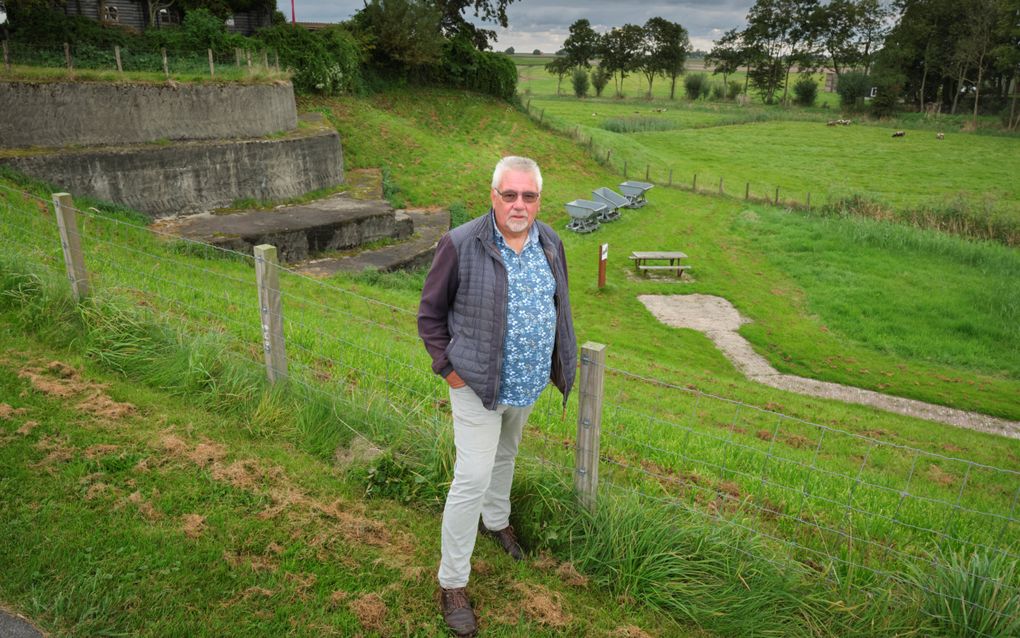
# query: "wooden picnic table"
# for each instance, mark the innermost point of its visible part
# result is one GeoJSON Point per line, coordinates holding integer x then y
{"type": "Point", "coordinates": [641, 259]}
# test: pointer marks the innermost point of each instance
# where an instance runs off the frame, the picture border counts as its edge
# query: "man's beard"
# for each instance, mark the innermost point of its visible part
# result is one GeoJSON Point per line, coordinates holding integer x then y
{"type": "Point", "coordinates": [517, 226]}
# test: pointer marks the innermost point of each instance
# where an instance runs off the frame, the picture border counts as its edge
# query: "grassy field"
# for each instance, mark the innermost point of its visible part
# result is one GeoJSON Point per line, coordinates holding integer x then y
{"type": "Point", "coordinates": [875, 305]}
{"type": "Point", "coordinates": [128, 511]}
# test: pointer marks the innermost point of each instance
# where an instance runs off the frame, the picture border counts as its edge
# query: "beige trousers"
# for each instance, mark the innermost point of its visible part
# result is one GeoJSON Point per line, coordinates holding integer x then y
{"type": "Point", "coordinates": [486, 442]}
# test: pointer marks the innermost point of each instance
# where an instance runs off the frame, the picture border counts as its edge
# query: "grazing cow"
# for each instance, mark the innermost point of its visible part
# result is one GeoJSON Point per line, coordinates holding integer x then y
{"type": "Point", "coordinates": [940, 136]}
{"type": "Point", "coordinates": [899, 134]}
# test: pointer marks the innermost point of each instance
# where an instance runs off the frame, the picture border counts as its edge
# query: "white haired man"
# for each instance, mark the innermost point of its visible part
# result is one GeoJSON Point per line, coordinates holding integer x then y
{"type": "Point", "coordinates": [495, 318]}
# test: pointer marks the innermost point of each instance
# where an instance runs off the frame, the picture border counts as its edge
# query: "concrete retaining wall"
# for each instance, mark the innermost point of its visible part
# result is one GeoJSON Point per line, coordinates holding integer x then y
{"type": "Point", "coordinates": [192, 177]}
{"type": "Point", "coordinates": [87, 113]}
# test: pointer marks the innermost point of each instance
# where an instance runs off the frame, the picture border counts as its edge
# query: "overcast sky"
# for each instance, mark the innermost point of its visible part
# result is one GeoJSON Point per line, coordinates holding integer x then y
{"type": "Point", "coordinates": [543, 24]}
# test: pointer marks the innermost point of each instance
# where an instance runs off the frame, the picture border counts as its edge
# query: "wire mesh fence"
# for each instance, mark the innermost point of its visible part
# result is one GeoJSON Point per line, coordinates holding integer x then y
{"type": "Point", "coordinates": [67, 59]}
{"type": "Point", "coordinates": [832, 500]}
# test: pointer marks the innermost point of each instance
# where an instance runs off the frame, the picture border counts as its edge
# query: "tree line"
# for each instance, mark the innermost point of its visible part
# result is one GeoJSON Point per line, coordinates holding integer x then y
{"type": "Point", "coordinates": [928, 53]}
{"type": "Point", "coordinates": [935, 54]}
{"type": "Point", "coordinates": [659, 48]}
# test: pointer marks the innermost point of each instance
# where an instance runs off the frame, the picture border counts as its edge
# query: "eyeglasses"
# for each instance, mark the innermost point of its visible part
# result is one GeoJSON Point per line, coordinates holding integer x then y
{"type": "Point", "coordinates": [509, 197]}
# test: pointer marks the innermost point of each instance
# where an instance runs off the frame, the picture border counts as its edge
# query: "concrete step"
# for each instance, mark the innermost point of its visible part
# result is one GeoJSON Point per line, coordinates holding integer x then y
{"type": "Point", "coordinates": [300, 231]}
{"type": "Point", "coordinates": [415, 252]}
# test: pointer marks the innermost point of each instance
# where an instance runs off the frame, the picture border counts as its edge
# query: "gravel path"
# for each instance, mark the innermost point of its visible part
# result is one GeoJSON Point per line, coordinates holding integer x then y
{"type": "Point", "coordinates": [719, 320]}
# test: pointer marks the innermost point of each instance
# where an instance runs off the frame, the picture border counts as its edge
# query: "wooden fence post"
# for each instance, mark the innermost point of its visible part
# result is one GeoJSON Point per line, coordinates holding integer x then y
{"type": "Point", "coordinates": [212, 67]}
{"type": "Point", "coordinates": [267, 274]}
{"type": "Point", "coordinates": [609, 152]}
{"type": "Point", "coordinates": [624, 169]}
{"type": "Point", "coordinates": [671, 177]}
{"type": "Point", "coordinates": [237, 57]}
{"type": "Point", "coordinates": [694, 183]}
{"type": "Point", "coordinates": [116, 55]}
{"type": "Point", "coordinates": [70, 241]}
{"type": "Point", "coordinates": [648, 168]}
{"type": "Point", "coordinates": [247, 59]}
{"type": "Point", "coordinates": [265, 60]}
{"type": "Point", "coordinates": [747, 191]}
{"type": "Point", "coordinates": [808, 200]}
{"type": "Point", "coordinates": [7, 57]}
{"type": "Point", "coordinates": [276, 60]}
{"type": "Point", "coordinates": [67, 56]}
{"type": "Point", "coordinates": [777, 196]}
{"type": "Point", "coordinates": [589, 422]}
{"type": "Point", "coordinates": [166, 67]}
{"type": "Point", "coordinates": [721, 191]}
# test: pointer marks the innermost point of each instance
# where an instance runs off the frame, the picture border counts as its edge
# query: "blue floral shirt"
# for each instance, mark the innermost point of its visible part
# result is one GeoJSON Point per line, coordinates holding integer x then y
{"type": "Point", "coordinates": [530, 321]}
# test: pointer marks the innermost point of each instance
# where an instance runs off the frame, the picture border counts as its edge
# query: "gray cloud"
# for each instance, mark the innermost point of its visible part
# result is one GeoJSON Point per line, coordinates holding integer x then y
{"type": "Point", "coordinates": [544, 25]}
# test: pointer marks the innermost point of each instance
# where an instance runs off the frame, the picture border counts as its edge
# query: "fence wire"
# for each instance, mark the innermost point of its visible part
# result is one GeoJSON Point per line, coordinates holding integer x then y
{"type": "Point", "coordinates": [832, 499]}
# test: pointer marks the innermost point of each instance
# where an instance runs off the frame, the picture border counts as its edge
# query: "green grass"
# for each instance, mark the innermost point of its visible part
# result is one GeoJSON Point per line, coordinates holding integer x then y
{"type": "Point", "coordinates": [97, 539]}
{"type": "Point", "coordinates": [797, 481]}
{"type": "Point", "coordinates": [798, 153]}
{"type": "Point", "coordinates": [56, 74]}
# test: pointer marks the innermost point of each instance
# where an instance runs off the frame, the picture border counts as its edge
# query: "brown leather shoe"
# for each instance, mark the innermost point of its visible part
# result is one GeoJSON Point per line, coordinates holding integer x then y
{"type": "Point", "coordinates": [506, 539]}
{"type": "Point", "coordinates": [457, 612]}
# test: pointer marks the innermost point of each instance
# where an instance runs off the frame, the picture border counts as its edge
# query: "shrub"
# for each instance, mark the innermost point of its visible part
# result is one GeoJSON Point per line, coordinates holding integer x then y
{"type": "Point", "coordinates": [718, 91]}
{"type": "Point", "coordinates": [694, 84]}
{"type": "Point", "coordinates": [805, 91]}
{"type": "Point", "coordinates": [324, 62]}
{"type": "Point", "coordinates": [852, 88]}
{"type": "Point", "coordinates": [579, 78]}
{"type": "Point", "coordinates": [599, 80]}
{"type": "Point", "coordinates": [733, 89]}
{"type": "Point", "coordinates": [466, 67]}
{"type": "Point", "coordinates": [889, 88]}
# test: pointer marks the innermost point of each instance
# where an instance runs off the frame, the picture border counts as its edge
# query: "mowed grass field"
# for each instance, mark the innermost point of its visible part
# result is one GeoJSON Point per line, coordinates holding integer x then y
{"type": "Point", "coordinates": [797, 152]}
{"type": "Point", "coordinates": [534, 79]}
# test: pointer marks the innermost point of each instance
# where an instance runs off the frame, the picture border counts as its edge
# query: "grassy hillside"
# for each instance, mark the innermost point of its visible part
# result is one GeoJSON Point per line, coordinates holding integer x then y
{"type": "Point", "coordinates": [771, 483]}
{"type": "Point", "coordinates": [128, 511]}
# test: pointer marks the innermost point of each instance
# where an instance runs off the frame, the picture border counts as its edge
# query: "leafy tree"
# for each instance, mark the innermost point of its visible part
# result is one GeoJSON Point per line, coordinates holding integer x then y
{"type": "Point", "coordinates": [536, 52]}
{"type": "Point", "coordinates": [665, 49]}
{"type": "Point", "coordinates": [401, 34]}
{"type": "Point", "coordinates": [582, 44]}
{"type": "Point", "coordinates": [849, 31]}
{"type": "Point", "coordinates": [454, 23]}
{"type": "Point", "coordinates": [509, 51]}
{"type": "Point", "coordinates": [728, 54]}
{"type": "Point", "coordinates": [620, 50]}
{"type": "Point", "coordinates": [560, 66]}
{"type": "Point", "coordinates": [974, 47]}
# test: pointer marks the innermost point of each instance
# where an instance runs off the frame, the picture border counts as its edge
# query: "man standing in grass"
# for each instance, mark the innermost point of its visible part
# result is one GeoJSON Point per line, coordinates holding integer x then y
{"type": "Point", "coordinates": [495, 317]}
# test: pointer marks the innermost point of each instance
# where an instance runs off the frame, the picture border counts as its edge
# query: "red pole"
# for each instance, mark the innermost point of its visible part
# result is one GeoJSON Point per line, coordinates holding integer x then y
{"type": "Point", "coordinates": [293, 19]}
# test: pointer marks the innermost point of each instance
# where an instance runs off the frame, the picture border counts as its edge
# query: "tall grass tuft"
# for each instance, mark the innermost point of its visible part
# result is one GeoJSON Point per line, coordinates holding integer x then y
{"type": "Point", "coordinates": [960, 216]}
{"type": "Point", "coordinates": [971, 595]}
{"type": "Point", "coordinates": [639, 124]}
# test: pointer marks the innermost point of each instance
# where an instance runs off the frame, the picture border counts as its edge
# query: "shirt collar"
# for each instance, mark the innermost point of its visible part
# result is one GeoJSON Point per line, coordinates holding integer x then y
{"type": "Point", "coordinates": [497, 234]}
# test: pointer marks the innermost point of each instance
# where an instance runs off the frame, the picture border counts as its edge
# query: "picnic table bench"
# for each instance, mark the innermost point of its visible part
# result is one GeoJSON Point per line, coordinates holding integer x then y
{"type": "Point", "coordinates": [641, 259]}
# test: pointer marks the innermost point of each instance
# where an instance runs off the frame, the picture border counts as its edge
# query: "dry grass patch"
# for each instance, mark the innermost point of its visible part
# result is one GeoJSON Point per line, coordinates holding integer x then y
{"type": "Point", "coordinates": [370, 611]}
{"type": "Point", "coordinates": [193, 525]}
{"type": "Point", "coordinates": [542, 606]}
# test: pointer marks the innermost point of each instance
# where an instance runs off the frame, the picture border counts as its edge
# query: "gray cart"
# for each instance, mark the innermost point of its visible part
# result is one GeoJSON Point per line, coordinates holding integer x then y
{"type": "Point", "coordinates": [584, 215]}
{"type": "Point", "coordinates": [613, 200]}
{"type": "Point", "coordinates": [635, 192]}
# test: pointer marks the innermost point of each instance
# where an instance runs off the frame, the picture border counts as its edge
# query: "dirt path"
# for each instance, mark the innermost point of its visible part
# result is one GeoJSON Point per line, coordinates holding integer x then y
{"type": "Point", "coordinates": [719, 320]}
